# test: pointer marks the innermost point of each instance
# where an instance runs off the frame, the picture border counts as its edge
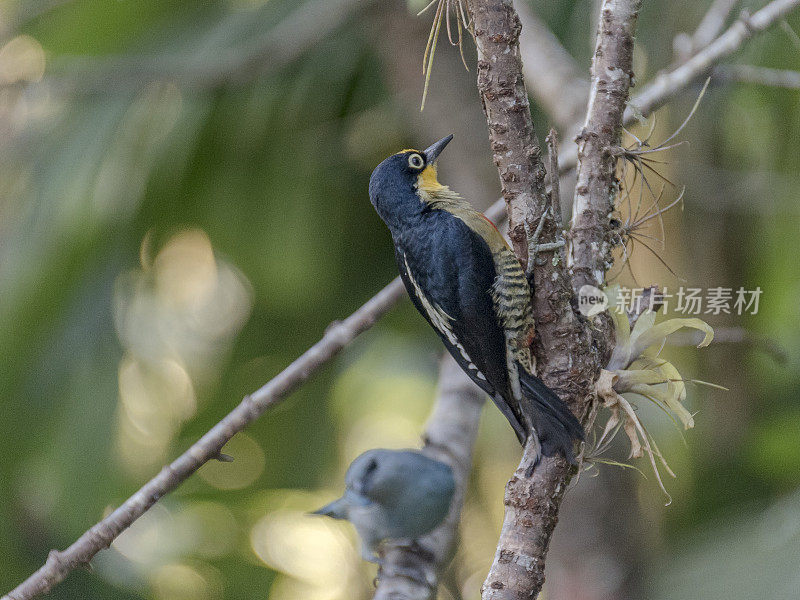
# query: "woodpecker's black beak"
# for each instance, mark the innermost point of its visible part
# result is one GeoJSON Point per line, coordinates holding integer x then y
{"type": "Point", "coordinates": [433, 152]}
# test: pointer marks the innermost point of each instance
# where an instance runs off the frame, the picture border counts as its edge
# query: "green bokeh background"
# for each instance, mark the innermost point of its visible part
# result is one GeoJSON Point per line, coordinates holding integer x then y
{"type": "Point", "coordinates": [130, 173]}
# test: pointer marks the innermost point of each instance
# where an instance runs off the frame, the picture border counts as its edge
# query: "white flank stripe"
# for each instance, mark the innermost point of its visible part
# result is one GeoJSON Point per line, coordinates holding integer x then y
{"type": "Point", "coordinates": [441, 321]}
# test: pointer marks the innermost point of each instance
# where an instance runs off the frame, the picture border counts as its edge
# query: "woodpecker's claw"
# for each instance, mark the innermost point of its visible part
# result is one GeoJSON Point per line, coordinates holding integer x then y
{"type": "Point", "coordinates": [533, 238]}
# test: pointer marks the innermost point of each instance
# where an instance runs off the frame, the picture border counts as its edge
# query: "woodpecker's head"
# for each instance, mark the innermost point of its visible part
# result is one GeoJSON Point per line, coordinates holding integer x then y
{"type": "Point", "coordinates": [401, 185]}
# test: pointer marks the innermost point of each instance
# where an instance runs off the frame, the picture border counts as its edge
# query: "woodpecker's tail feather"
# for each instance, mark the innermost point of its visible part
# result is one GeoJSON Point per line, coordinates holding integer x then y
{"type": "Point", "coordinates": [555, 425]}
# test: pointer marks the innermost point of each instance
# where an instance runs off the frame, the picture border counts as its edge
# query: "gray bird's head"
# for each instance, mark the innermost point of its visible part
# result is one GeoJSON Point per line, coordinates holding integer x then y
{"type": "Point", "coordinates": [394, 494]}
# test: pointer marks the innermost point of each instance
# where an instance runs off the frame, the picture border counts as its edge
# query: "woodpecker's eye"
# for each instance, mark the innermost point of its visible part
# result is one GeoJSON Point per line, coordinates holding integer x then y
{"type": "Point", "coordinates": [415, 161]}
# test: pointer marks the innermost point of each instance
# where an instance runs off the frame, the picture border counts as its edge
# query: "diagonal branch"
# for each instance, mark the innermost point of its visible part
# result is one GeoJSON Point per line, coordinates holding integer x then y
{"type": "Point", "coordinates": [208, 447]}
{"type": "Point", "coordinates": [666, 85]}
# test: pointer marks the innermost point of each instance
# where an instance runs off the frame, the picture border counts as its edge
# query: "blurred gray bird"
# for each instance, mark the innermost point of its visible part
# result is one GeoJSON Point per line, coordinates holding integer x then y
{"type": "Point", "coordinates": [393, 495]}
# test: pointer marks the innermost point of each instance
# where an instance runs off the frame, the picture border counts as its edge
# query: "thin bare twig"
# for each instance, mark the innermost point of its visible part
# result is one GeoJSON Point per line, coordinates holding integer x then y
{"type": "Point", "coordinates": [780, 78]}
{"type": "Point", "coordinates": [709, 28]}
{"type": "Point", "coordinates": [668, 84]}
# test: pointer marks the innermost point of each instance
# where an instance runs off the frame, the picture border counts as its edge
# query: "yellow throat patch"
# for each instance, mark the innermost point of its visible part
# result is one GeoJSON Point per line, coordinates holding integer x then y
{"type": "Point", "coordinates": [427, 181]}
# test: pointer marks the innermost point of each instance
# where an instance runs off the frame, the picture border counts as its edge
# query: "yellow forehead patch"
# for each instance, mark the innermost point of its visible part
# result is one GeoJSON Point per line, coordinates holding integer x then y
{"type": "Point", "coordinates": [427, 181]}
{"type": "Point", "coordinates": [408, 150]}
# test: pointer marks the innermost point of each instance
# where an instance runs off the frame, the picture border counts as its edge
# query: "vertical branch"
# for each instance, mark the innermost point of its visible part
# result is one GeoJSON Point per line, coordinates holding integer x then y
{"type": "Point", "coordinates": [569, 355]}
{"type": "Point", "coordinates": [596, 187]}
{"type": "Point", "coordinates": [412, 573]}
{"type": "Point", "coordinates": [516, 149]}
{"type": "Point", "coordinates": [568, 361]}
{"type": "Point", "coordinates": [517, 155]}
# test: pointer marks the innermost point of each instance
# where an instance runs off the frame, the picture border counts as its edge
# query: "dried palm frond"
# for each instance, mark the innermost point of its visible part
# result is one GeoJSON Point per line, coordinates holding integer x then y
{"type": "Point", "coordinates": [460, 10]}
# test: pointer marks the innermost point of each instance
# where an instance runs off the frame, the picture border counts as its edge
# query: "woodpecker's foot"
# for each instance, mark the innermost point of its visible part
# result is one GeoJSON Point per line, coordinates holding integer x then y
{"type": "Point", "coordinates": [534, 247]}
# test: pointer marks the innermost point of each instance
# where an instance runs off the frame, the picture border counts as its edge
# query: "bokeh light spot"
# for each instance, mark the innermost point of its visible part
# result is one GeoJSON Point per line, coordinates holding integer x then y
{"type": "Point", "coordinates": [21, 59]}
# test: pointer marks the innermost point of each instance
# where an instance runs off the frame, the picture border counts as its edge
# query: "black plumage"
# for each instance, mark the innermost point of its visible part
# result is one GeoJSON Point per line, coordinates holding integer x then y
{"type": "Point", "coordinates": [463, 278]}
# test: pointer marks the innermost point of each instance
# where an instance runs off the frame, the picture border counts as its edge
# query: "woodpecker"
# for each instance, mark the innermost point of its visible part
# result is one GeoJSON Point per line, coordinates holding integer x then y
{"type": "Point", "coordinates": [466, 281]}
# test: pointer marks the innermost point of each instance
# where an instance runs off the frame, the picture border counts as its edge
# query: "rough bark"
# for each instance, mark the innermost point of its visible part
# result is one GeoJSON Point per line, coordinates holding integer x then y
{"type": "Point", "coordinates": [568, 352]}
{"type": "Point", "coordinates": [596, 187]}
{"type": "Point", "coordinates": [516, 149]}
{"type": "Point", "coordinates": [567, 359]}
